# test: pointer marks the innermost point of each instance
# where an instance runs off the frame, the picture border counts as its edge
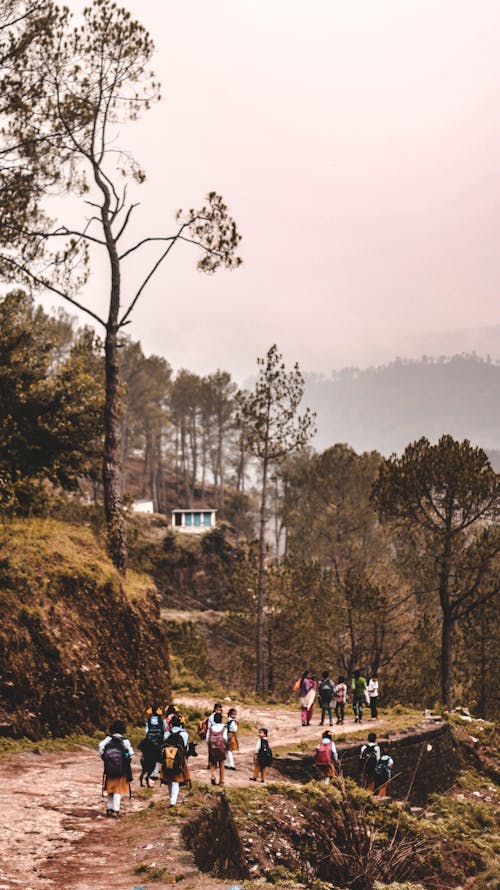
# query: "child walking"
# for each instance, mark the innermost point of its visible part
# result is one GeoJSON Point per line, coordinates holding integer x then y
{"type": "Point", "coordinates": [263, 756]}
{"type": "Point", "coordinates": [326, 758]}
{"type": "Point", "coordinates": [116, 752]}
{"type": "Point", "coordinates": [232, 738]}
{"type": "Point", "coordinates": [341, 698]}
{"type": "Point", "coordinates": [217, 741]}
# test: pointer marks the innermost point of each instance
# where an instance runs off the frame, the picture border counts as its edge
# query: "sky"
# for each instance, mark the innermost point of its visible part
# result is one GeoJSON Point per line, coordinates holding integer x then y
{"type": "Point", "coordinates": [357, 145]}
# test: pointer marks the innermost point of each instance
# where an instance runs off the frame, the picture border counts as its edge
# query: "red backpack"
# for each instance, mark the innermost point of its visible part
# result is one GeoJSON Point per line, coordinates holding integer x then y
{"type": "Point", "coordinates": [323, 754]}
{"type": "Point", "coordinates": [216, 746]}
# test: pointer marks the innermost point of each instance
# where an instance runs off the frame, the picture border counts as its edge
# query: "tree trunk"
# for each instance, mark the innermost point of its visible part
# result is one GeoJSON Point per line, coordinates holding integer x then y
{"type": "Point", "coordinates": [483, 665]}
{"type": "Point", "coordinates": [117, 541]}
{"type": "Point", "coordinates": [446, 635]}
{"type": "Point", "coordinates": [446, 630]}
{"type": "Point", "coordinates": [270, 661]}
{"type": "Point", "coordinates": [260, 679]}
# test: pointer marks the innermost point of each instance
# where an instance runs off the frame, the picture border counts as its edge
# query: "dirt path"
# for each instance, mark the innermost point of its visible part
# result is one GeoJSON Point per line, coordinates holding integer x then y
{"type": "Point", "coordinates": [53, 831]}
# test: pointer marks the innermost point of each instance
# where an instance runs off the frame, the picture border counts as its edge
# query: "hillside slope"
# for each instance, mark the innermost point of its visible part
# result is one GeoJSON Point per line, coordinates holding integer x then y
{"type": "Point", "coordinates": [79, 646]}
{"type": "Point", "coordinates": [387, 407]}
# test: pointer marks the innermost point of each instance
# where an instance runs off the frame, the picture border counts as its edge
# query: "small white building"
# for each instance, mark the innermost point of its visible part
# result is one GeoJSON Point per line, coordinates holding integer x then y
{"type": "Point", "coordinates": [193, 521]}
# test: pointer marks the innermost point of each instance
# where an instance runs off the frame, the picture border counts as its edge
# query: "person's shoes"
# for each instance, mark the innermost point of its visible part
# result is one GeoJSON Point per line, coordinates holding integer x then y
{"type": "Point", "coordinates": [153, 778]}
{"type": "Point", "coordinates": [253, 779]}
{"type": "Point", "coordinates": [304, 724]}
{"type": "Point", "coordinates": [331, 724]}
{"type": "Point", "coordinates": [356, 720]}
{"type": "Point", "coordinates": [110, 813]}
{"type": "Point", "coordinates": [212, 781]}
{"type": "Point", "coordinates": [172, 804]}
{"type": "Point", "coordinates": [308, 724]}
{"type": "Point", "coordinates": [231, 767]}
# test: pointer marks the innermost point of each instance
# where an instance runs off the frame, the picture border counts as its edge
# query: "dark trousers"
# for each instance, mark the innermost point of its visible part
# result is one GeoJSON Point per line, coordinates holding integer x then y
{"type": "Point", "coordinates": [324, 710]}
{"type": "Point", "coordinates": [339, 711]}
{"type": "Point", "coordinates": [373, 705]}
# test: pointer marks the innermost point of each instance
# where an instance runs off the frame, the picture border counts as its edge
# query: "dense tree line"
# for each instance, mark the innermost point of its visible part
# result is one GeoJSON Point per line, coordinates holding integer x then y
{"type": "Point", "coordinates": [390, 564]}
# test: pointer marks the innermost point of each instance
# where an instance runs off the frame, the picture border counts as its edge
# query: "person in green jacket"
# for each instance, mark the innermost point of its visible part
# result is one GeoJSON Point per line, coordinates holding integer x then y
{"type": "Point", "coordinates": [358, 686]}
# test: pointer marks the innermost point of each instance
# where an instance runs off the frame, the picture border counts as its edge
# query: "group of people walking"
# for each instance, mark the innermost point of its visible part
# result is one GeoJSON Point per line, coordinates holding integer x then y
{"type": "Point", "coordinates": [165, 748]}
{"type": "Point", "coordinates": [332, 697]}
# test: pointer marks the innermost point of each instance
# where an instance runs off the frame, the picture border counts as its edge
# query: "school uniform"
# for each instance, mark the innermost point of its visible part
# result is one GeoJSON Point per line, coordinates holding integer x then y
{"type": "Point", "coordinates": [119, 786]}
{"type": "Point", "coordinates": [183, 775]}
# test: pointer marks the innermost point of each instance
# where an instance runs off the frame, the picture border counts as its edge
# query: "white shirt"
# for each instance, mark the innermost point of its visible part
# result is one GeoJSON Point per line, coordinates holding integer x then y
{"type": "Point", "coordinates": [371, 745]}
{"type": "Point", "coordinates": [174, 731]}
{"type": "Point", "coordinates": [215, 729]}
{"type": "Point", "coordinates": [330, 742]}
{"type": "Point", "coordinates": [372, 688]}
{"type": "Point", "coordinates": [116, 735]}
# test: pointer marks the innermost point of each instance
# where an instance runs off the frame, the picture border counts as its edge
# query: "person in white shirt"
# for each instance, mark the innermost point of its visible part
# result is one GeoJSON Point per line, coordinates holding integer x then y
{"type": "Point", "coordinates": [118, 783]}
{"type": "Point", "coordinates": [326, 758]}
{"type": "Point", "coordinates": [176, 735]}
{"type": "Point", "coordinates": [372, 690]}
{"type": "Point", "coordinates": [383, 771]}
{"type": "Point", "coordinates": [232, 738]}
{"type": "Point", "coordinates": [369, 756]}
{"type": "Point", "coordinates": [217, 746]}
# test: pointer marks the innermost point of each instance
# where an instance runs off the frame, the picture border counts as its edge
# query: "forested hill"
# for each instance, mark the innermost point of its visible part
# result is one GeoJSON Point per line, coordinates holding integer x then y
{"type": "Point", "coordinates": [385, 408]}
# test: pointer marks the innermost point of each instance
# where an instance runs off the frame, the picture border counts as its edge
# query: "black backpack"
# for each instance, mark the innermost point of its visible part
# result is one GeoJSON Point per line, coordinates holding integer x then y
{"type": "Point", "coordinates": [383, 770]}
{"type": "Point", "coordinates": [154, 731]}
{"type": "Point", "coordinates": [369, 760]}
{"type": "Point", "coordinates": [173, 755]}
{"type": "Point", "coordinates": [115, 761]}
{"type": "Point", "coordinates": [265, 755]}
{"type": "Point", "coordinates": [325, 692]}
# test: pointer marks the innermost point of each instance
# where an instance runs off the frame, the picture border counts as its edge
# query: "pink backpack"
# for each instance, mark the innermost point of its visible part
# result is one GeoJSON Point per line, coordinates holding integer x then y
{"type": "Point", "coordinates": [323, 754]}
{"type": "Point", "coordinates": [216, 746]}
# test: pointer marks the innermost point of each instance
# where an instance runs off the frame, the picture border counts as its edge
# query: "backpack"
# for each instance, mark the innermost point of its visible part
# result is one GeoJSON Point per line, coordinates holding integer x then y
{"type": "Point", "coordinates": [325, 692]}
{"type": "Point", "coordinates": [203, 728]}
{"type": "Point", "coordinates": [369, 760]}
{"type": "Point", "coordinates": [173, 755]}
{"type": "Point", "coordinates": [154, 731]}
{"type": "Point", "coordinates": [323, 755]}
{"type": "Point", "coordinates": [383, 770]}
{"type": "Point", "coordinates": [114, 759]}
{"type": "Point", "coordinates": [217, 746]}
{"type": "Point", "coordinates": [265, 755]}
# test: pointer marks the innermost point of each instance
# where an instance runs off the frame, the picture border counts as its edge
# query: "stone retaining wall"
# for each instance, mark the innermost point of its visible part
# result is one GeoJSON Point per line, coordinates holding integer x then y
{"type": "Point", "coordinates": [425, 761]}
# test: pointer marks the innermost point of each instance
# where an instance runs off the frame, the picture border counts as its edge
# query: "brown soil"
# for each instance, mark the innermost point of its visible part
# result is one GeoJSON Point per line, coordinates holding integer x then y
{"type": "Point", "coordinates": [55, 835]}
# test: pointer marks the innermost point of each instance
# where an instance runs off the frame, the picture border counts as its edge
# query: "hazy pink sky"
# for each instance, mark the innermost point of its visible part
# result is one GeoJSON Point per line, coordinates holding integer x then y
{"type": "Point", "coordinates": [357, 144]}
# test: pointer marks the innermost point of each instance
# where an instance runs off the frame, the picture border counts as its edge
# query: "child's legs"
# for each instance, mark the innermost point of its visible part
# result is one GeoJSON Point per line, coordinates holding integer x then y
{"type": "Point", "coordinates": [263, 773]}
{"type": "Point", "coordinates": [329, 709]}
{"type": "Point", "coordinates": [309, 713]}
{"type": "Point", "coordinates": [221, 772]}
{"type": "Point", "coordinates": [303, 714]}
{"type": "Point", "coordinates": [323, 713]}
{"type": "Point", "coordinates": [373, 706]}
{"type": "Point", "coordinates": [341, 710]}
{"type": "Point", "coordinates": [114, 801]}
{"type": "Point", "coordinates": [256, 768]}
{"type": "Point", "coordinates": [229, 759]}
{"type": "Point", "coordinates": [174, 792]}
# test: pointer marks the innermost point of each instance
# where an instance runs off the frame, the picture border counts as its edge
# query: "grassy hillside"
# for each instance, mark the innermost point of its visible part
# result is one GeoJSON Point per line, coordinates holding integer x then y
{"type": "Point", "coordinates": [79, 645]}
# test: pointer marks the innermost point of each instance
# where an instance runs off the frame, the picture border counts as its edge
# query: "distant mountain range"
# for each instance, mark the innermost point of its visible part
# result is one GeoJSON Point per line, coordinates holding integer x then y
{"type": "Point", "coordinates": [386, 407]}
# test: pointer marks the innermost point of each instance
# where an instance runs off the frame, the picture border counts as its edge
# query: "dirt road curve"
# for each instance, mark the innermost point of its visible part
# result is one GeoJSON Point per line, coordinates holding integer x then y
{"type": "Point", "coordinates": [54, 834]}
